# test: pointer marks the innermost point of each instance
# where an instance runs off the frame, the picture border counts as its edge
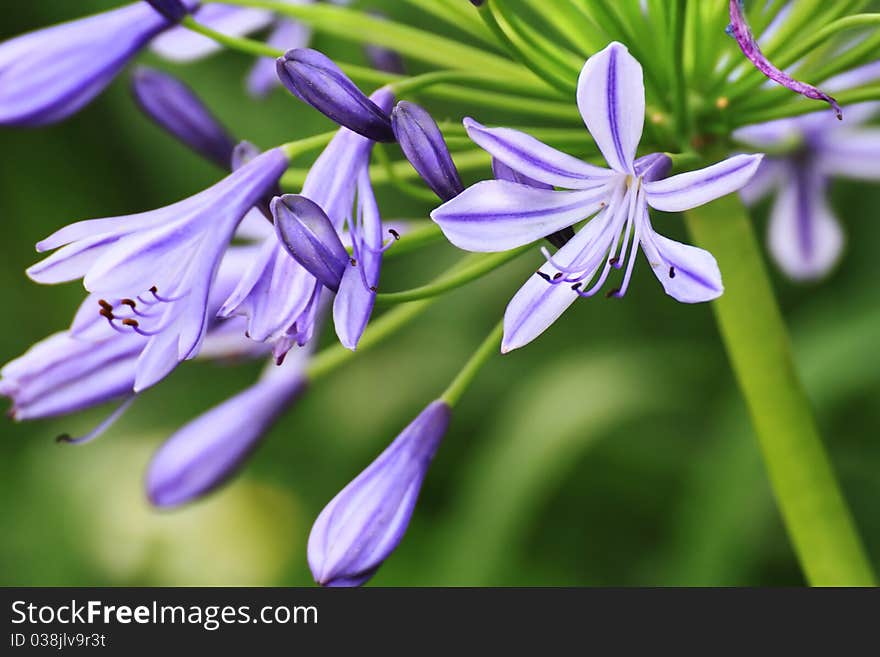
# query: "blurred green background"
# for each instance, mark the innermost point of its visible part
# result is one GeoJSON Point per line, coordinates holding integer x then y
{"type": "Point", "coordinates": [612, 451]}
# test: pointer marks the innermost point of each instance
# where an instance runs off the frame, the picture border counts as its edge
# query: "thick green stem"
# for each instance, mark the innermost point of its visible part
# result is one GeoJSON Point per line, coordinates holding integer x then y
{"type": "Point", "coordinates": [491, 346]}
{"type": "Point", "coordinates": [815, 513]}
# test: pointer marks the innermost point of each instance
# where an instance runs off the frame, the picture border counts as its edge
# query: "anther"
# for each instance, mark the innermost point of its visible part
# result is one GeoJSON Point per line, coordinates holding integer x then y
{"type": "Point", "coordinates": [129, 302]}
{"type": "Point", "coordinates": [130, 322]}
{"type": "Point", "coordinates": [64, 438]}
{"type": "Point", "coordinates": [577, 286]}
{"type": "Point", "coordinates": [613, 262]}
{"type": "Point", "coordinates": [612, 293]}
{"type": "Point", "coordinates": [104, 305]}
{"type": "Point", "coordinates": [154, 289]}
{"type": "Point", "coordinates": [546, 277]}
{"type": "Point", "coordinates": [557, 276]}
{"type": "Point", "coordinates": [107, 312]}
{"type": "Point", "coordinates": [354, 263]}
{"type": "Point", "coordinates": [672, 272]}
{"type": "Point", "coordinates": [373, 288]}
{"type": "Point", "coordinates": [394, 233]}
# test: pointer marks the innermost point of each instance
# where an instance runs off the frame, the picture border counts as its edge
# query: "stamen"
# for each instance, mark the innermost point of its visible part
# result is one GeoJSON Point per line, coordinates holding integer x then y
{"type": "Point", "coordinates": [672, 272]}
{"type": "Point", "coordinates": [128, 302]}
{"type": "Point", "coordinates": [101, 428]}
{"type": "Point", "coordinates": [354, 263]}
{"type": "Point", "coordinates": [155, 292]}
{"type": "Point", "coordinates": [612, 293]}
{"type": "Point", "coordinates": [394, 233]}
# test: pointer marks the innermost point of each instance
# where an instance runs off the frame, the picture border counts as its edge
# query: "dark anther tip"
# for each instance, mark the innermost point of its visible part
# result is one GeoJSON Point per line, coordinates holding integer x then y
{"type": "Point", "coordinates": [546, 277]}
{"type": "Point", "coordinates": [576, 286]}
{"type": "Point", "coordinates": [612, 293]}
{"type": "Point", "coordinates": [354, 263]}
{"type": "Point", "coordinates": [130, 322]}
{"type": "Point", "coordinates": [672, 272]}
{"type": "Point", "coordinates": [394, 233]}
{"type": "Point", "coordinates": [128, 302]}
{"type": "Point", "coordinates": [64, 438]}
{"type": "Point", "coordinates": [557, 276]}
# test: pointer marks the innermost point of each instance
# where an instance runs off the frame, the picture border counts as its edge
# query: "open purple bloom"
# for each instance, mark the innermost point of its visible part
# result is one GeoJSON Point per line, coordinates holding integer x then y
{"type": "Point", "coordinates": [740, 30]}
{"type": "Point", "coordinates": [804, 235]}
{"type": "Point", "coordinates": [50, 74]}
{"type": "Point", "coordinates": [497, 215]}
{"type": "Point", "coordinates": [153, 272]}
{"type": "Point", "coordinates": [174, 106]}
{"type": "Point", "coordinates": [423, 144]}
{"type": "Point", "coordinates": [207, 451]}
{"type": "Point", "coordinates": [315, 79]}
{"type": "Point", "coordinates": [365, 522]}
{"type": "Point", "coordinates": [91, 364]}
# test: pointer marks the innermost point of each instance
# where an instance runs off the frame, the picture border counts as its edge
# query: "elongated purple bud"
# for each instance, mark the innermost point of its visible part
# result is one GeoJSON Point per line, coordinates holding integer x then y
{"type": "Point", "coordinates": [739, 29]}
{"type": "Point", "coordinates": [313, 77]}
{"type": "Point", "coordinates": [173, 10]}
{"type": "Point", "coordinates": [655, 166]}
{"type": "Point", "coordinates": [174, 107]}
{"type": "Point", "coordinates": [209, 450]}
{"type": "Point", "coordinates": [309, 237]}
{"type": "Point", "coordinates": [366, 521]}
{"type": "Point", "coordinates": [423, 144]}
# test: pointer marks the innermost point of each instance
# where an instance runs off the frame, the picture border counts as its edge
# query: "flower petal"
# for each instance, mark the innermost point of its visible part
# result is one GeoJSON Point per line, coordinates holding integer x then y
{"type": "Point", "coordinates": [180, 44]}
{"type": "Point", "coordinates": [696, 188]}
{"type": "Point", "coordinates": [533, 158]}
{"type": "Point", "coordinates": [688, 274]}
{"type": "Point", "coordinates": [805, 238]}
{"type": "Point", "coordinates": [852, 154]}
{"type": "Point", "coordinates": [767, 178]}
{"type": "Point", "coordinates": [611, 98]}
{"type": "Point", "coordinates": [497, 215]}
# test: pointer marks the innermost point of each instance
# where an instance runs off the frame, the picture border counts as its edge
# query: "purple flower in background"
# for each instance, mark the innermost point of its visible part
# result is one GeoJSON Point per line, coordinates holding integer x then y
{"type": "Point", "coordinates": [739, 29]}
{"type": "Point", "coordinates": [286, 35]}
{"type": "Point", "coordinates": [173, 10]}
{"type": "Point", "coordinates": [50, 74]}
{"type": "Point", "coordinates": [174, 107]}
{"type": "Point", "coordinates": [498, 215]}
{"type": "Point", "coordinates": [207, 451]}
{"type": "Point", "coordinates": [91, 364]}
{"type": "Point", "coordinates": [154, 271]}
{"type": "Point", "coordinates": [805, 237]}
{"type": "Point", "coordinates": [279, 295]}
{"type": "Point", "coordinates": [315, 79]}
{"type": "Point", "coordinates": [365, 522]}
{"type": "Point", "coordinates": [422, 142]}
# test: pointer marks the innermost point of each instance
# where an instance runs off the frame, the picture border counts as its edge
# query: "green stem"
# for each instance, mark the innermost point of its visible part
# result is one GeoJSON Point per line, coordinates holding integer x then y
{"type": "Point", "coordinates": [389, 323]}
{"type": "Point", "coordinates": [815, 513]}
{"type": "Point", "coordinates": [308, 144]}
{"type": "Point", "coordinates": [680, 91]}
{"type": "Point", "coordinates": [468, 269]}
{"type": "Point", "coordinates": [249, 46]}
{"type": "Point", "coordinates": [490, 347]}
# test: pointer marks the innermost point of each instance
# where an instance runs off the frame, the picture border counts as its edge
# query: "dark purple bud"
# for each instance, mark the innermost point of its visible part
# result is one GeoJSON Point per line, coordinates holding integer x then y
{"type": "Point", "coordinates": [313, 77]}
{"type": "Point", "coordinates": [173, 10]}
{"type": "Point", "coordinates": [655, 166]}
{"type": "Point", "coordinates": [308, 235]}
{"type": "Point", "coordinates": [739, 29]}
{"type": "Point", "coordinates": [423, 144]}
{"type": "Point", "coordinates": [384, 59]}
{"type": "Point", "coordinates": [504, 172]}
{"type": "Point", "coordinates": [174, 107]}
{"type": "Point", "coordinates": [366, 521]}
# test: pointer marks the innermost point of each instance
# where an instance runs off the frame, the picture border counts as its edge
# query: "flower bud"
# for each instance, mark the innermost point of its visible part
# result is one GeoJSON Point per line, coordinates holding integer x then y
{"type": "Point", "coordinates": [312, 77]}
{"type": "Point", "coordinates": [424, 147]}
{"type": "Point", "coordinates": [308, 235]}
{"type": "Point", "coordinates": [365, 522]}
{"type": "Point", "coordinates": [174, 107]}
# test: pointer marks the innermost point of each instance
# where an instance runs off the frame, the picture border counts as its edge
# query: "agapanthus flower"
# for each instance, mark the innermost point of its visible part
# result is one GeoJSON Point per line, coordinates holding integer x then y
{"type": "Point", "coordinates": [805, 236]}
{"type": "Point", "coordinates": [365, 522]}
{"type": "Point", "coordinates": [207, 451]}
{"type": "Point", "coordinates": [498, 215]}
{"type": "Point", "coordinates": [152, 272]}
{"type": "Point", "coordinates": [47, 75]}
{"type": "Point", "coordinates": [175, 107]}
{"type": "Point", "coordinates": [90, 363]}
{"type": "Point", "coordinates": [739, 29]}
{"type": "Point", "coordinates": [279, 295]}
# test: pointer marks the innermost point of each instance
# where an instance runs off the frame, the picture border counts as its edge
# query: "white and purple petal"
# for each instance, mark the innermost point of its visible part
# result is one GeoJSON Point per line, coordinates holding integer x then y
{"type": "Point", "coordinates": [695, 188]}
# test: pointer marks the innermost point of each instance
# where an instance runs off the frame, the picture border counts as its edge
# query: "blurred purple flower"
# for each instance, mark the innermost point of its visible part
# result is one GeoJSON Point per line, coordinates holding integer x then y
{"type": "Point", "coordinates": [498, 215]}
{"type": "Point", "coordinates": [175, 107]}
{"type": "Point", "coordinates": [805, 237]}
{"type": "Point", "coordinates": [365, 522]}
{"type": "Point", "coordinates": [154, 271]}
{"type": "Point", "coordinates": [50, 74]}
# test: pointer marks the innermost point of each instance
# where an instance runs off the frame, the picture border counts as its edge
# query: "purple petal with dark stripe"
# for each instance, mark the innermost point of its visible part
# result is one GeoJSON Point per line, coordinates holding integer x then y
{"type": "Point", "coordinates": [696, 188]}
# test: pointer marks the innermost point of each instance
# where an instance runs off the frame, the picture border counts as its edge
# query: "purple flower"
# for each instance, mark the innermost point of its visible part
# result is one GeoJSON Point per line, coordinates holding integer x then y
{"type": "Point", "coordinates": [740, 30]}
{"type": "Point", "coordinates": [91, 364]}
{"type": "Point", "coordinates": [312, 77]}
{"type": "Point", "coordinates": [366, 521]}
{"type": "Point", "coordinates": [805, 237]}
{"type": "Point", "coordinates": [423, 144]}
{"type": "Point", "coordinates": [279, 295]}
{"type": "Point", "coordinates": [211, 448]}
{"type": "Point", "coordinates": [153, 272]}
{"type": "Point", "coordinates": [50, 74]}
{"type": "Point", "coordinates": [174, 107]}
{"type": "Point", "coordinates": [498, 215]}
